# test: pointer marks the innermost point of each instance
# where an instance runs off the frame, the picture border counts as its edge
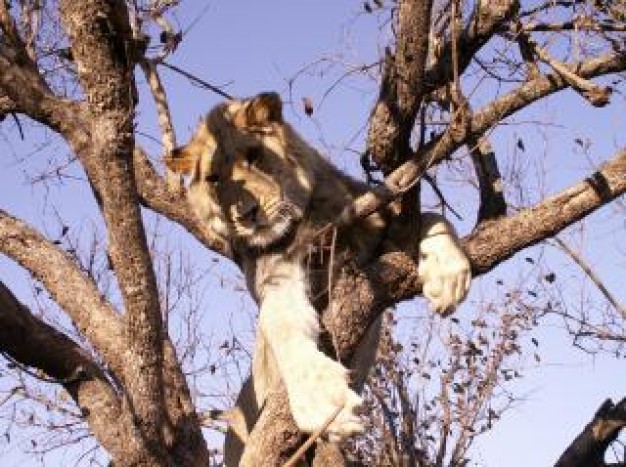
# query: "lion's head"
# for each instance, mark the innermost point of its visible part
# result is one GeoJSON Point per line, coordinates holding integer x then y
{"type": "Point", "coordinates": [248, 177]}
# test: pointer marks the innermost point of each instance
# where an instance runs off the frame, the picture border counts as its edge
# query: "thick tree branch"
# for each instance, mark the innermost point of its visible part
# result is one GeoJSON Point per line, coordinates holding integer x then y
{"type": "Point", "coordinates": [589, 447]}
{"type": "Point", "coordinates": [401, 90]}
{"type": "Point", "coordinates": [23, 88]}
{"type": "Point", "coordinates": [77, 123]}
{"type": "Point", "coordinates": [34, 343]}
{"type": "Point", "coordinates": [68, 286]}
{"type": "Point", "coordinates": [487, 247]}
{"type": "Point", "coordinates": [393, 279]}
{"type": "Point", "coordinates": [405, 176]}
{"type": "Point", "coordinates": [101, 40]}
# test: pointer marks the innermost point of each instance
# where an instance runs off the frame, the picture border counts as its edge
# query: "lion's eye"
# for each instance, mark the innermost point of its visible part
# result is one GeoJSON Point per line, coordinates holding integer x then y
{"type": "Point", "coordinates": [253, 155]}
{"type": "Point", "coordinates": [212, 178]}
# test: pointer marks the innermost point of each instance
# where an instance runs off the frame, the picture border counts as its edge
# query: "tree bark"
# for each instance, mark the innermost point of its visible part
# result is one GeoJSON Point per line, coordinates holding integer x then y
{"type": "Point", "coordinates": [34, 343]}
{"type": "Point", "coordinates": [589, 447]}
{"type": "Point", "coordinates": [100, 36]}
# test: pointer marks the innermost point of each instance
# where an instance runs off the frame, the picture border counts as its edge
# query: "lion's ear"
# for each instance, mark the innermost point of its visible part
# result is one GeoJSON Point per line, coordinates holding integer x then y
{"type": "Point", "coordinates": [264, 109]}
{"type": "Point", "coordinates": [180, 161]}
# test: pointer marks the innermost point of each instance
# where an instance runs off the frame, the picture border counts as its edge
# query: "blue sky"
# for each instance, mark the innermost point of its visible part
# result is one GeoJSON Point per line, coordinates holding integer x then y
{"type": "Point", "coordinates": [258, 46]}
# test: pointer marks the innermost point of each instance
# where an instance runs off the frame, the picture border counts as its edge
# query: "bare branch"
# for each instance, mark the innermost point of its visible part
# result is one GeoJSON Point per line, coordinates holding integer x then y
{"type": "Point", "coordinates": [488, 18]}
{"type": "Point", "coordinates": [168, 136]}
{"type": "Point", "coordinates": [499, 240]}
{"type": "Point", "coordinates": [194, 79]}
{"type": "Point", "coordinates": [24, 89]}
{"type": "Point", "coordinates": [596, 95]}
{"type": "Point", "coordinates": [578, 259]}
{"type": "Point", "coordinates": [69, 287]}
{"type": "Point", "coordinates": [401, 90]}
{"type": "Point", "coordinates": [492, 202]}
{"type": "Point", "coordinates": [23, 337]}
{"type": "Point", "coordinates": [102, 44]}
{"type": "Point", "coordinates": [590, 445]}
{"type": "Point", "coordinates": [393, 277]}
{"type": "Point", "coordinates": [405, 176]}
{"type": "Point", "coordinates": [575, 25]}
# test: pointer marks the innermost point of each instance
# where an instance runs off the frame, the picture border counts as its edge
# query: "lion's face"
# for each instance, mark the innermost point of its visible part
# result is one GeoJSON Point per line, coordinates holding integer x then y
{"type": "Point", "coordinates": [246, 178]}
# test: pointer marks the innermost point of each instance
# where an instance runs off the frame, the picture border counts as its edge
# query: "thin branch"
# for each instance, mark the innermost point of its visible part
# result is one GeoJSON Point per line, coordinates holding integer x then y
{"type": "Point", "coordinates": [486, 247]}
{"type": "Point", "coordinates": [488, 18]}
{"type": "Point", "coordinates": [197, 80]}
{"type": "Point", "coordinates": [582, 263]}
{"type": "Point", "coordinates": [293, 460]}
{"type": "Point", "coordinates": [575, 25]}
{"type": "Point", "coordinates": [598, 96]}
{"type": "Point", "coordinates": [407, 175]}
{"type": "Point", "coordinates": [168, 136]}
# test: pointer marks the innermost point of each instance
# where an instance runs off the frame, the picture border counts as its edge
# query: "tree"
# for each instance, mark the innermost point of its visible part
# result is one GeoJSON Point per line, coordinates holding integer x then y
{"type": "Point", "coordinates": [123, 372]}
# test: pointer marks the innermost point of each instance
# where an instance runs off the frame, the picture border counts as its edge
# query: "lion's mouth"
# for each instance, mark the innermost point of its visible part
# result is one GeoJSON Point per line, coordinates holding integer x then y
{"type": "Point", "coordinates": [280, 224]}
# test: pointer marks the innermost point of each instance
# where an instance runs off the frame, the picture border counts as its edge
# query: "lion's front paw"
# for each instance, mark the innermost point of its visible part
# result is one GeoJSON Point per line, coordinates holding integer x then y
{"type": "Point", "coordinates": [317, 389]}
{"type": "Point", "coordinates": [445, 273]}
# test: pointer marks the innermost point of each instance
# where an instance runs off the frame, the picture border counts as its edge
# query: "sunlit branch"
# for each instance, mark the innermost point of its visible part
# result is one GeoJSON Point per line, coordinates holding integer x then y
{"type": "Point", "coordinates": [70, 288]}
{"type": "Point", "coordinates": [62, 359]}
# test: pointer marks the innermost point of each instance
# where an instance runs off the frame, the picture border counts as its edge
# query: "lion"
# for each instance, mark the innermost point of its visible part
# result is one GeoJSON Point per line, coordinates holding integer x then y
{"type": "Point", "coordinates": [259, 186]}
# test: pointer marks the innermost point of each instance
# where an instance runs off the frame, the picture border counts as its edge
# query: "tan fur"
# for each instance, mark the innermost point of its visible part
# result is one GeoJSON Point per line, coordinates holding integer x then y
{"type": "Point", "coordinates": [266, 191]}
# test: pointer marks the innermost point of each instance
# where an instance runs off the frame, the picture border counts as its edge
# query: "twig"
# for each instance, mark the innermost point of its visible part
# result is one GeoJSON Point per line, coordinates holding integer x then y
{"type": "Point", "coordinates": [314, 436]}
{"type": "Point", "coordinates": [19, 125]}
{"type": "Point", "coordinates": [168, 136]}
{"type": "Point", "coordinates": [442, 199]}
{"type": "Point", "coordinates": [578, 259]}
{"type": "Point", "coordinates": [78, 374]}
{"type": "Point", "coordinates": [456, 86]}
{"type": "Point", "coordinates": [197, 80]}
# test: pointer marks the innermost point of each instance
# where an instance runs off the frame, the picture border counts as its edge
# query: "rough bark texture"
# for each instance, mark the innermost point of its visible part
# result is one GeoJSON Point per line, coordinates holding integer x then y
{"type": "Point", "coordinates": [23, 336]}
{"type": "Point", "coordinates": [149, 418]}
{"type": "Point", "coordinates": [94, 317]}
{"type": "Point", "coordinates": [401, 91]}
{"type": "Point", "coordinates": [100, 34]}
{"type": "Point", "coordinates": [154, 403]}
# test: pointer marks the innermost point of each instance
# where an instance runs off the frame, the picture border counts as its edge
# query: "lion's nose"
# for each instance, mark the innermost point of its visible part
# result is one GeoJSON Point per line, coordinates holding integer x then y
{"type": "Point", "coordinates": [250, 212]}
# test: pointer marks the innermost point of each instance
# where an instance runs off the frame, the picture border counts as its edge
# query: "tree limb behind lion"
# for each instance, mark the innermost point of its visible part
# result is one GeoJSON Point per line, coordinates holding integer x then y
{"type": "Point", "coordinates": [258, 185]}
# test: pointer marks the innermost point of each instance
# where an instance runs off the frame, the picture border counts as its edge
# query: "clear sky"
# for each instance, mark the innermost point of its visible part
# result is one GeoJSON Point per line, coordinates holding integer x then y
{"type": "Point", "coordinates": [255, 46]}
